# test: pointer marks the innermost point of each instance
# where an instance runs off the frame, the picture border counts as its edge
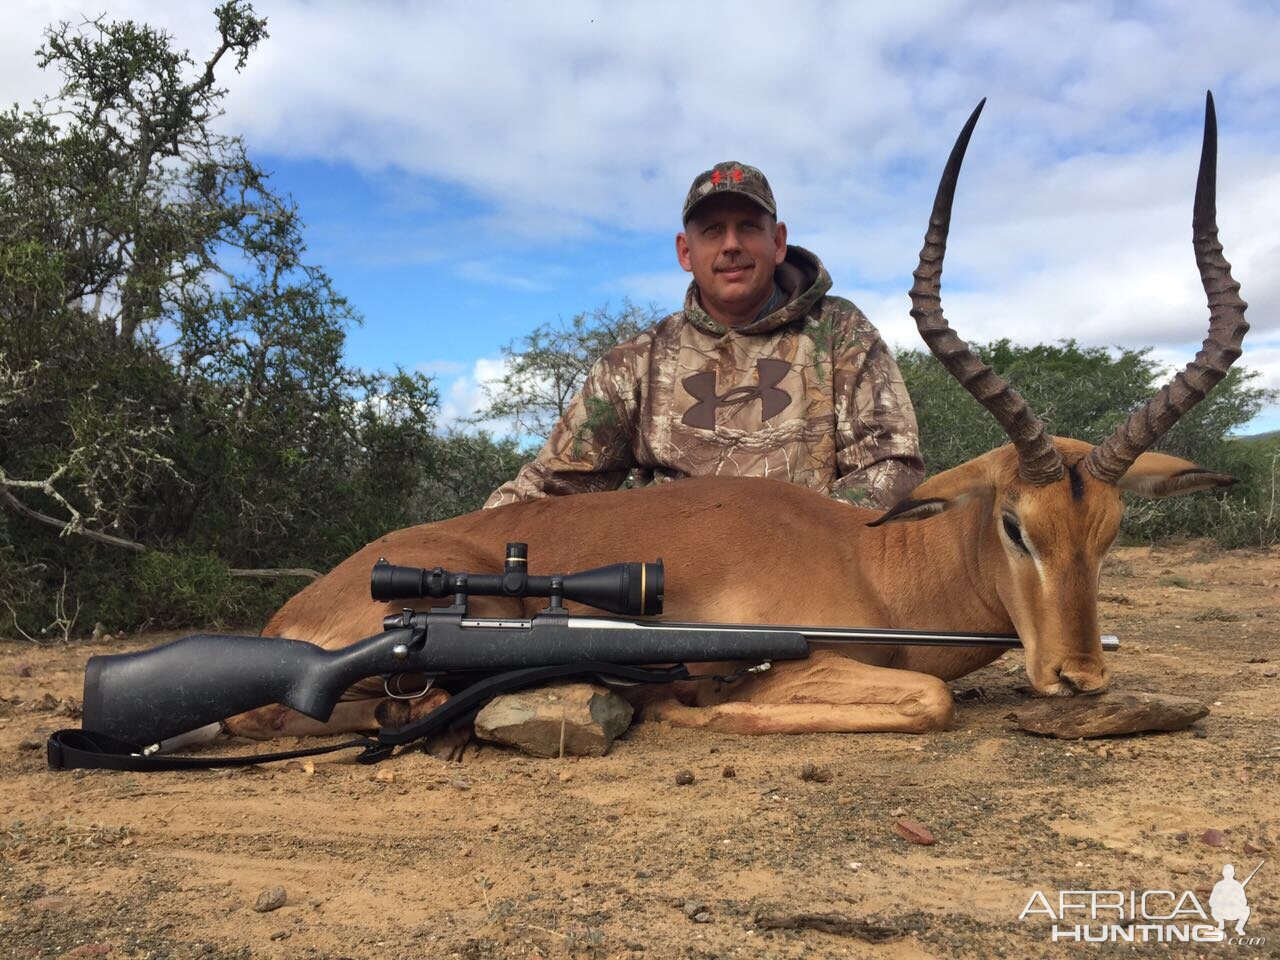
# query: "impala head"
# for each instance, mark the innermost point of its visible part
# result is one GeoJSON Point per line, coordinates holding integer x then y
{"type": "Point", "coordinates": [1052, 506]}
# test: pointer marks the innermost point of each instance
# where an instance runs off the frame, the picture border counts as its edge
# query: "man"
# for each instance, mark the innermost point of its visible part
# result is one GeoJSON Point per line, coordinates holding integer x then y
{"type": "Point", "coordinates": [760, 374]}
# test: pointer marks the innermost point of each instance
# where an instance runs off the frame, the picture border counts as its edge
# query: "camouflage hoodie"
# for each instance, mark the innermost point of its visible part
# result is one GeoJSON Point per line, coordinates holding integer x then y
{"type": "Point", "coordinates": [808, 393]}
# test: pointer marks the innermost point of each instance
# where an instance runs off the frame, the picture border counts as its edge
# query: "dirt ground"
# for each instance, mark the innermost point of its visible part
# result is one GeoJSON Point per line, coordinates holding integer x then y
{"type": "Point", "coordinates": [504, 855]}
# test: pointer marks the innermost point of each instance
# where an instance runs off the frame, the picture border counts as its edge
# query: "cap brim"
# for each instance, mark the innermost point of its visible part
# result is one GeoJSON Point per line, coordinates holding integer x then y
{"type": "Point", "coordinates": [688, 214]}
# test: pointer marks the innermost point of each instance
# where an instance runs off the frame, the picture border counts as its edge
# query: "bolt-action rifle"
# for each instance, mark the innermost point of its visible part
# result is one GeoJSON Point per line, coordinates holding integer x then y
{"type": "Point", "coordinates": [137, 705]}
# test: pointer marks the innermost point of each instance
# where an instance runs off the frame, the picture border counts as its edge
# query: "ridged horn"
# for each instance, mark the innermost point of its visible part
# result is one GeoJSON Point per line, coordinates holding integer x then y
{"type": "Point", "coordinates": [1227, 327]}
{"type": "Point", "coordinates": [1038, 459]}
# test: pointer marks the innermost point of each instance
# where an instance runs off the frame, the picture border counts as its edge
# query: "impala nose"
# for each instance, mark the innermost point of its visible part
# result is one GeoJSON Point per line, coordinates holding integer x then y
{"type": "Point", "coordinates": [1083, 680]}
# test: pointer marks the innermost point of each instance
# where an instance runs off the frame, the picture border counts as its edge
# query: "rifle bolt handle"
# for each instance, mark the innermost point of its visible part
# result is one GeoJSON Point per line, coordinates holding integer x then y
{"type": "Point", "coordinates": [400, 652]}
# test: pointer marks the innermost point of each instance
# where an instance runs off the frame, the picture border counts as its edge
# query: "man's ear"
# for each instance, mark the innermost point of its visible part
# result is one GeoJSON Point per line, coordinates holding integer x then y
{"type": "Point", "coordinates": [682, 252]}
{"type": "Point", "coordinates": [780, 242]}
{"type": "Point", "coordinates": [1160, 475]}
{"type": "Point", "coordinates": [946, 491]}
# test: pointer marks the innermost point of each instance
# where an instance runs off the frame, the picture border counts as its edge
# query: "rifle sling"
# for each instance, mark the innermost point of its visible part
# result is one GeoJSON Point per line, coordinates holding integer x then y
{"type": "Point", "coordinates": [88, 750]}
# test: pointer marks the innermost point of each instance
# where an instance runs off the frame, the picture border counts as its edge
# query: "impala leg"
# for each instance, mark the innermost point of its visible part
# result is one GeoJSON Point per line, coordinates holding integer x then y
{"type": "Point", "coordinates": [826, 693]}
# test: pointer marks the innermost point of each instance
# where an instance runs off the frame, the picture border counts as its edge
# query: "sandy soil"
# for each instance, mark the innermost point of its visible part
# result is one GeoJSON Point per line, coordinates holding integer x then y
{"type": "Point", "coordinates": [507, 856]}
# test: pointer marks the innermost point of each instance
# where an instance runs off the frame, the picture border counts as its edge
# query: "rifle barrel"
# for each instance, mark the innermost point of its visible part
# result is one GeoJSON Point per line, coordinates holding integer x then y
{"type": "Point", "coordinates": [920, 638]}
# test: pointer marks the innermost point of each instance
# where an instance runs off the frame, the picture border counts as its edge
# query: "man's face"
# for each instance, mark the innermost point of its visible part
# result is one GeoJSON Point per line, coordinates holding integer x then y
{"type": "Point", "coordinates": [731, 246]}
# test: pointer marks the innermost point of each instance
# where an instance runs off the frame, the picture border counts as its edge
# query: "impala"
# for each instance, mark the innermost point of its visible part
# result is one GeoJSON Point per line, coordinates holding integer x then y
{"type": "Point", "coordinates": [1012, 541]}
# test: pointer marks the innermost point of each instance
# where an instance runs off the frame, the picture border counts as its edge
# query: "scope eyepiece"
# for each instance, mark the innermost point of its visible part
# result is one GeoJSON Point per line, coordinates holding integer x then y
{"type": "Point", "coordinates": [634, 589]}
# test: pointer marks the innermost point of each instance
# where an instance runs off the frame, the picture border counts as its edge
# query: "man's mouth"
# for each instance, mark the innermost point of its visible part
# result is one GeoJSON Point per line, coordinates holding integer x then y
{"type": "Point", "coordinates": [735, 271]}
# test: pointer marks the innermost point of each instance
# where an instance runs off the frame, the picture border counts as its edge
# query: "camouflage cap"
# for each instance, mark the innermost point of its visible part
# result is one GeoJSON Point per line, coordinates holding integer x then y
{"type": "Point", "coordinates": [730, 177]}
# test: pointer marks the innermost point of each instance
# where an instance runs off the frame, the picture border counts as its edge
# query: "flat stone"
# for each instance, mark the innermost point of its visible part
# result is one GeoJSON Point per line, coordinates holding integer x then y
{"type": "Point", "coordinates": [590, 716]}
{"type": "Point", "coordinates": [1109, 714]}
{"type": "Point", "coordinates": [273, 898]}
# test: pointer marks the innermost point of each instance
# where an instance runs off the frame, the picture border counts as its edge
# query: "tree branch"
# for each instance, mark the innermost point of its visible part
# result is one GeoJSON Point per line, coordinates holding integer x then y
{"type": "Point", "coordinates": [264, 573]}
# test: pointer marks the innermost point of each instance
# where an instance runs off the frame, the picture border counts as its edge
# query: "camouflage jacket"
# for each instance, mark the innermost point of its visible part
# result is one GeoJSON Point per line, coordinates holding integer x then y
{"type": "Point", "coordinates": [808, 393]}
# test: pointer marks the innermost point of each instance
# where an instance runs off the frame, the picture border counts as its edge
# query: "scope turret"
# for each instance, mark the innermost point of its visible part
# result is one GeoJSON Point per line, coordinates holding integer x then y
{"type": "Point", "coordinates": [626, 588]}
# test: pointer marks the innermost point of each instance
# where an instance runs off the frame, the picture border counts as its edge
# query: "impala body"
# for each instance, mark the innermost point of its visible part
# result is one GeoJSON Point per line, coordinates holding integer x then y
{"type": "Point", "coordinates": [1012, 541]}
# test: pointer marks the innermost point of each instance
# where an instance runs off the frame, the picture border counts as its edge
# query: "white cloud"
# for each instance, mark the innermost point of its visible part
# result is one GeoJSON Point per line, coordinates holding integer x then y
{"type": "Point", "coordinates": [577, 121]}
{"type": "Point", "coordinates": [463, 396]}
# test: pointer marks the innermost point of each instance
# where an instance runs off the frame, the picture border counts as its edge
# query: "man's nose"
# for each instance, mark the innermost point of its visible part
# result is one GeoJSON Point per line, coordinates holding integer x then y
{"type": "Point", "coordinates": [731, 240]}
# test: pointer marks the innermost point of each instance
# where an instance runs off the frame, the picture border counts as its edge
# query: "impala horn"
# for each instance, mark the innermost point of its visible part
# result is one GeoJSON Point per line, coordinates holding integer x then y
{"type": "Point", "coordinates": [1038, 459]}
{"type": "Point", "coordinates": [1109, 460]}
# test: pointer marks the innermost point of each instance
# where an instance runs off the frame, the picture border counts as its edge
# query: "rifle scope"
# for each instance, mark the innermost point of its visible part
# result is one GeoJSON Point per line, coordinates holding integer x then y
{"type": "Point", "coordinates": [626, 588]}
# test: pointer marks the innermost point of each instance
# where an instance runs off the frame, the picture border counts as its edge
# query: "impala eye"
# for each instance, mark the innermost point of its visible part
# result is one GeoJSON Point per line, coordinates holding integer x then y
{"type": "Point", "coordinates": [1013, 531]}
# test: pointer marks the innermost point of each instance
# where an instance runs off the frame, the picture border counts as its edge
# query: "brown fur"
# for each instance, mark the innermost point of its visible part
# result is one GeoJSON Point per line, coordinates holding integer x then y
{"type": "Point", "coordinates": [752, 550]}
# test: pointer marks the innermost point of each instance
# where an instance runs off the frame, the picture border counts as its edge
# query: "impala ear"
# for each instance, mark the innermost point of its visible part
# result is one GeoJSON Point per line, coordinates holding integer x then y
{"type": "Point", "coordinates": [1160, 475]}
{"type": "Point", "coordinates": [946, 491]}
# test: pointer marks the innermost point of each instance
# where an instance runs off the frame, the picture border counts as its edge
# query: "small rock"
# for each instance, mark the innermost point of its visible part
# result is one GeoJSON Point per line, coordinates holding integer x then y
{"type": "Point", "coordinates": [914, 832]}
{"type": "Point", "coordinates": [29, 744]}
{"type": "Point", "coordinates": [384, 775]}
{"type": "Point", "coordinates": [728, 773]}
{"type": "Point", "coordinates": [1108, 714]}
{"type": "Point", "coordinates": [1253, 848]}
{"type": "Point", "coordinates": [692, 908]}
{"type": "Point", "coordinates": [684, 778]}
{"type": "Point", "coordinates": [281, 935]}
{"type": "Point", "coordinates": [98, 631]}
{"type": "Point", "coordinates": [1182, 837]}
{"type": "Point", "coordinates": [459, 784]}
{"type": "Point", "coordinates": [22, 670]}
{"type": "Point", "coordinates": [900, 812]}
{"type": "Point", "coordinates": [703, 917]}
{"type": "Point", "coordinates": [1199, 732]}
{"type": "Point", "coordinates": [273, 898]}
{"type": "Point", "coordinates": [582, 718]}
{"type": "Point", "coordinates": [308, 768]}
{"type": "Point", "coordinates": [815, 774]}
{"type": "Point", "coordinates": [1212, 837]}
{"type": "Point", "coordinates": [564, 776]}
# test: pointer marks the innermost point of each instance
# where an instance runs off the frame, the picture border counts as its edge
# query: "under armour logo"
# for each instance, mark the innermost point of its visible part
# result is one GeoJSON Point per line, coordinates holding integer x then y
{"type": "Point", "coordinates": [702, 387]}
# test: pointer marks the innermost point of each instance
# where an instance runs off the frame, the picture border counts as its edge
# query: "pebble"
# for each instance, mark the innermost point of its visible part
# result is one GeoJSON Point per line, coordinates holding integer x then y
{"type": "Point", "coordinates": [684, 778]}
{"type": "Point", "coordinates": [728, 773]}
{"type": "Point", "coordinates": [692, 908]}
{"type": "Point", "coordinates": [703, 917]}
{"type": "Point", "coordinates": [812, 773]}
{"type": "Point", "coordinates": [30, 745]}
{"type": "Point", "coordinates": [281, 935]}
{"type": "Point", "coordinates": [22, 670]}
{"type": "Point", "coordinates": [273, 898]}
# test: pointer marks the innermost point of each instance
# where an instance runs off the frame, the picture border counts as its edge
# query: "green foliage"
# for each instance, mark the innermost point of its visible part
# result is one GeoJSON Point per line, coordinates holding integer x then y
{"type": "Point", "coordinates": [1086, 392]}
{"type": "Point", "coordinates": [547, 369]}
{"type": "Point", "coordinates": [171, 369]}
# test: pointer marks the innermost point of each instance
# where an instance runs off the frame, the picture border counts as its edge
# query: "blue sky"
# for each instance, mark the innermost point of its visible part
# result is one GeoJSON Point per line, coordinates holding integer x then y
{"type": "Point", "coordinates": [468, 171]}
